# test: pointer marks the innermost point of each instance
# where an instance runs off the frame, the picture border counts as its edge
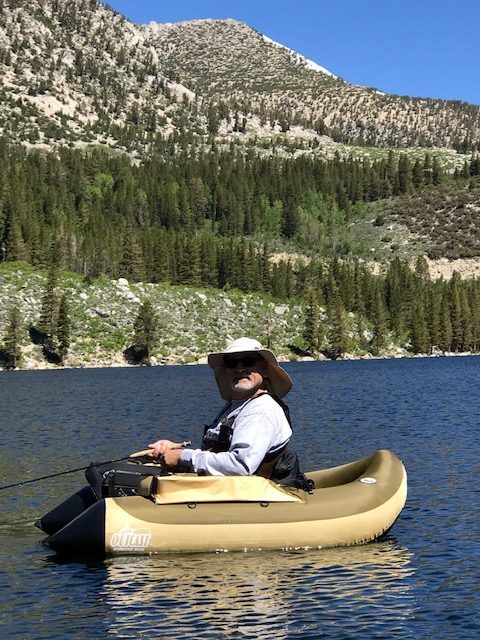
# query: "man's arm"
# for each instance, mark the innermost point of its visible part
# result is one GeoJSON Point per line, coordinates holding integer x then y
{"type": "Point", "coordinates": [259, 428]}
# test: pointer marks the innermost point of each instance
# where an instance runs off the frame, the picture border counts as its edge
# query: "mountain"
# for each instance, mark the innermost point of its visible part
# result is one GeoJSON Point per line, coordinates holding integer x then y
{"type": "Point", "coordinates": [75, 72]}
{"type": "Point", "coordinates": [239, 185]}
{"type": "Point", "coordinates": [78, 73]}
{"type": "Point", "coordinates": [441, 222]}
{"type": "Point", "coordinates": [227, 60]}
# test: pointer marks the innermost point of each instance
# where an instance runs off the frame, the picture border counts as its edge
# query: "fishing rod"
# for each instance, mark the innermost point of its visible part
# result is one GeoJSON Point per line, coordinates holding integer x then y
{"type": "Point", "coordinates": [138, 454]}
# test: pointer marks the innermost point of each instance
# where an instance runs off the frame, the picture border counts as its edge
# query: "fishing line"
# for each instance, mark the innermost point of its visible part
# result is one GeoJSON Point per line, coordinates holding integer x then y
{"type": "Point", "coordinates": [132, 456]}
{"type": "Point", "coordinates": [55, 475]}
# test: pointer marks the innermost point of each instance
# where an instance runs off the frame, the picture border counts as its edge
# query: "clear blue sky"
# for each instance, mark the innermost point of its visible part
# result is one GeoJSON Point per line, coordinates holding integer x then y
{"type": "Point", "coordinates": [427, 48]}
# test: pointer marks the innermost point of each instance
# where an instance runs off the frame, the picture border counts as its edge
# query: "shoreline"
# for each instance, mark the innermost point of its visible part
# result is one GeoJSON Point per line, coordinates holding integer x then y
{"type": "Point", "coordinates": [203, 361]}
{"type": "Point", "coordinates": [191, 321]}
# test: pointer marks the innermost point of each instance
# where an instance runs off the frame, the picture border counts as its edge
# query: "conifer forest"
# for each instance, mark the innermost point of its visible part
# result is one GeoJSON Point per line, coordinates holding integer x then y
{"type": "Point", "coordinates": [217, 219]}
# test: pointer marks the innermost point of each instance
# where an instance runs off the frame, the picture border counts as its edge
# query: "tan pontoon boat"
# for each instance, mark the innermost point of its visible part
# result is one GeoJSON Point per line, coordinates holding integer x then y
{"type": "Point", "coordinates": [350, 504]}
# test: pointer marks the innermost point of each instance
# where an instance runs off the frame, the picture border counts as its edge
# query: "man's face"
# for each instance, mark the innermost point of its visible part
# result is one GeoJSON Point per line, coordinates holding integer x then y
{"type": "Point", "coordinates": [244, 374]}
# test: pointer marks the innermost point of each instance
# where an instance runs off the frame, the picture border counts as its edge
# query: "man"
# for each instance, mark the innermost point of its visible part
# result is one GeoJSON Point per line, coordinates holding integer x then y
{"type": "Point", "coordinates": [250, 435]}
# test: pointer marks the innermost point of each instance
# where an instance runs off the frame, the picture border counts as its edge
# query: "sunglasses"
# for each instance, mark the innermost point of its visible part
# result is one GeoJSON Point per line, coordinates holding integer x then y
{"type": "Point", "coordinates": [247, 361]}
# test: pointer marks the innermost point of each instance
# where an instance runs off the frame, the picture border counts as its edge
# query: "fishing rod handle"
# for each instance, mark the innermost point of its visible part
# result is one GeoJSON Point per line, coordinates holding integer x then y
{"type": "Point", "coordinates": [144, 452]}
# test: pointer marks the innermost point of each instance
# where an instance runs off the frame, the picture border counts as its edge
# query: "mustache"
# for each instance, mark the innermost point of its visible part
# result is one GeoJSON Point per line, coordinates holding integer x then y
{"type": "Point", "coordinates": [242, 376]}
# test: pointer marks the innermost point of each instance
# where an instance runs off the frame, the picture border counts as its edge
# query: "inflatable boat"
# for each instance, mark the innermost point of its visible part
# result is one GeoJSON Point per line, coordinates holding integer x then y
{"type": "Point", "coordinates": [351, 504]}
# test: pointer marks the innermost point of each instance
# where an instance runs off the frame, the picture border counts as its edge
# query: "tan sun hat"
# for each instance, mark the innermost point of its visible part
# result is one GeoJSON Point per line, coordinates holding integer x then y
{"type": "Point", "coordinates": [277, 380]}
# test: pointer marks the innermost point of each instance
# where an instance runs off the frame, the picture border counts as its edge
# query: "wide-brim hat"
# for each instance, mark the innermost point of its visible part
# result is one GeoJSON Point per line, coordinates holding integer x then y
{"type": "Point", "coordinates": [277, 379]}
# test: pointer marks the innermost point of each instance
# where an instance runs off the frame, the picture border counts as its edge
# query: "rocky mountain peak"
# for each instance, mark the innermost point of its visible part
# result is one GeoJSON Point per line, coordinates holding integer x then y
{"type": "Point", "coordinates": [79, 73]}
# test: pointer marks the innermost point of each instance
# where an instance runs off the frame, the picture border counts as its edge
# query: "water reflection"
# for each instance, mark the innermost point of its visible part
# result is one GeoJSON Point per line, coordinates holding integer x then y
{"type": "Point", "coordinates": [266, 595]}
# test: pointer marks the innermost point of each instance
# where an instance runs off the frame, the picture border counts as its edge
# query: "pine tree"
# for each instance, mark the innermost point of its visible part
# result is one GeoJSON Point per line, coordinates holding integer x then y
{"type": "Point", "coordinates": [330, 289]}
{"type": "Point", "coordinates": [132, 266]}
{"type": "Point", "coordinates": [427, 169]}
{"type": "Point", "coordinates": [291, 218]}
{"type": "Point", "coordinates": [456, 314]}
{"type": "Point", "coordinates": [338, 335]}
{"type": "Point", "coordinates": [279, 284]}
{"type": "Point", "coordinates": [475, 315]}
{"type": "Point", "coordinates": [63, 329]}
{"type": "Point", "coordinates": [161, 269]}
{"type": "Point", "coordinates": [379, 334]}
{"type": "Point", "coordinates": [312, 331]}
{"type": "Point", "coordinates": [182, 259]}
{"type": "Point", "coordinates": [209, 260]}
{"type": "Point", "coordinates": [404, 174]}
{"type": "Point", "coordinates": [199, 197]}
{"type": "Point", "coordinates": [420, 340]}
{"type": "Point", "coordinates": [16, 247]}
{"type": "Point", "coordinates": [50, 303]}
{"type": "Point", "coordinates": [249, 277]}
{"type": "Point", "coordinates": [213, 119]}
{"type": "Point", "coordinates": [437, 171]}
{"type": "Point", "coordinates": [421, 269]}
{"type": "Point", "coordinates": [194, 267]}
{"type": "Point", "coordinates": [433, 315]}
{"type": "Point", "coordinates": [11, 353]}
{"type": "Point", "coordinates": [467, 325]}
{"type": "Point", "coordinates": [358, 303]}
{"type": "Point", "coordinates": [445, 324]}
{"type": "Point", "coordinates": [265, 269]}
{"type": "Point", "coordinates": [146, 333]}
{"type": "Point", "coordinates": [398, 293]}
{"type": "Point", "coordinates": [417, 174]}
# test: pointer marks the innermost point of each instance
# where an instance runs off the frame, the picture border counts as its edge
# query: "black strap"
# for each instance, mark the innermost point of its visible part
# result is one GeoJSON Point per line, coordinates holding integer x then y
{"type": "Point", "coordinates": [223, 440]}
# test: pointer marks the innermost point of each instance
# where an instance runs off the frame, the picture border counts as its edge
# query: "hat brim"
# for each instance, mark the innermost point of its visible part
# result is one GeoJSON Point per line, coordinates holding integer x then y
{"type": "Point", "coordinates": [277, 380]}
{"type": "Point", "coordinates": [215, 360]}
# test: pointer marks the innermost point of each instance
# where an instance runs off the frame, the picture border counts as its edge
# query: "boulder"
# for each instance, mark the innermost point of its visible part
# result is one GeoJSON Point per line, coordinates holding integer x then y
{"type": "Point", "coordinates": [281, 309]}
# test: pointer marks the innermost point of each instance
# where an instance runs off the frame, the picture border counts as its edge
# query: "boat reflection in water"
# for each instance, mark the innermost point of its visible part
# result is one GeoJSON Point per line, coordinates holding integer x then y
{"type": "Point", "coordinates": [267, 595]}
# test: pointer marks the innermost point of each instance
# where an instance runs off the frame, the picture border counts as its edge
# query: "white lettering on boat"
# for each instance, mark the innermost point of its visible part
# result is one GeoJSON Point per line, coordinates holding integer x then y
{"type": "Point", "coordinates": [128, 539]}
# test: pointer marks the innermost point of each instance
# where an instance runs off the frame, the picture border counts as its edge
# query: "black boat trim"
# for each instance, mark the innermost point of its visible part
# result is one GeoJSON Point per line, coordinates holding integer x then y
{"type": "Point", "coordinates": [84, 535]}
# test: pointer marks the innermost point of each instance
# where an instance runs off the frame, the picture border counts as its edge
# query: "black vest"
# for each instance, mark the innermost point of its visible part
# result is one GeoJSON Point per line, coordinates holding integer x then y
{"type": "Point", "coordinates": [281, 466]}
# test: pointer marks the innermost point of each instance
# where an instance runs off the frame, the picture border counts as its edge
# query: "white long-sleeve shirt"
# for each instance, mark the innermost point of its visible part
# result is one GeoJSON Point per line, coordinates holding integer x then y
{"type": "Point", "coordinates": [260, 428]}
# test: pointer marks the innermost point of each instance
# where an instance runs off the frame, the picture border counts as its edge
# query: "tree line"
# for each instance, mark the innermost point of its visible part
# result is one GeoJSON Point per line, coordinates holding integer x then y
{"type": "Point", "coordinates": [347, 305]}
{"type": "Point", "coordinates": [347, 309]}
{"type": "Point", "coordinates": [181, 218]}
{"type": "Point", "coordinates": [52, 331]}
{"type": "Point", "coordinates": [103, 211]}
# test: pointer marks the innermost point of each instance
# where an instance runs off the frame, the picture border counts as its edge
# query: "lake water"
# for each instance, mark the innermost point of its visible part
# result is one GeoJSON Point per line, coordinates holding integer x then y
{"type": "Point", "coordinates": [421, 582]}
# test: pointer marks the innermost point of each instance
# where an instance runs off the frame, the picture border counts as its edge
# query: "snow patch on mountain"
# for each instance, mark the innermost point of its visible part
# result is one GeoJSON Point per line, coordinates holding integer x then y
{"type": "Point", "coordinates": [299, 59]}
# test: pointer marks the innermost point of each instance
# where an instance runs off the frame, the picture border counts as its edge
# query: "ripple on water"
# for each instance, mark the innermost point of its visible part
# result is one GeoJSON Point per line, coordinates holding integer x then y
{"type": "Point", "coordinates": [268, 595]}
{"type": "Point", "coordinates": [422, 583]}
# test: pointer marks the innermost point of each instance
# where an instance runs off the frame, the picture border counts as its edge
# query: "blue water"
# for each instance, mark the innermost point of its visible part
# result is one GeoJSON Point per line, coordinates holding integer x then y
{"type": "Point", "coordinates": [421, 582]}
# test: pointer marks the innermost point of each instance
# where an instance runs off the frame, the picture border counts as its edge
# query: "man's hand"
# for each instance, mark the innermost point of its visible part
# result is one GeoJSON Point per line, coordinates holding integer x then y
{"type": "Point", "coordinates": [171, 458]}
{"type": "Point", "coordinates": [159, 448]}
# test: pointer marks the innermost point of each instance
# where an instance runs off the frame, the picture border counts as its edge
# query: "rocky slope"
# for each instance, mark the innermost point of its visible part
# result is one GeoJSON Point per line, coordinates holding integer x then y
{"type": "Point", "coordinates": [191, 321]}
{"type": "Point", "coordinates": [441, 222]}
{"type": "Point", "coordinates": [79, 73]}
